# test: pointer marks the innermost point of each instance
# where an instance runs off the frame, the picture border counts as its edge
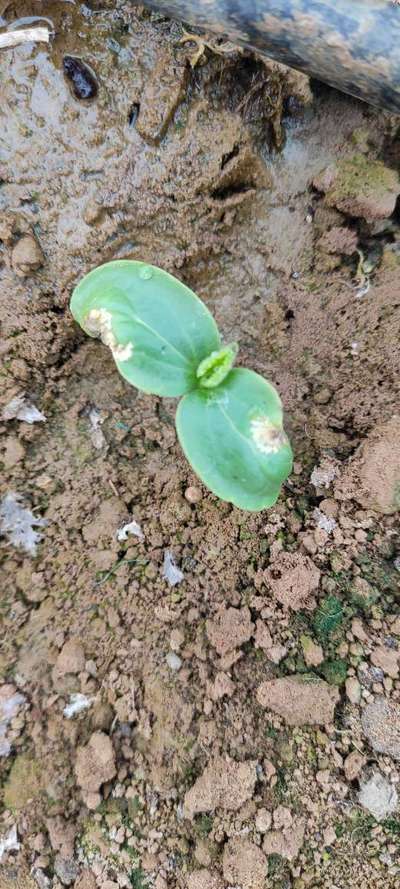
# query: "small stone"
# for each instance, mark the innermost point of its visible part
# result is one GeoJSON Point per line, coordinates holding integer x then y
{"type": "Point", "coordinates": [26, 256]}
{"type": "Point", "coordinates": [263, 820]}
{"type": "Point", "coordinates": [378, 796]}
{"type": "Point", "coordinates": [71, 658]}
{"type": "Point", "coordinates": [224, 784]}
{"type": "Point", "coordinates": [353, 764]}
{"type": "Point", "coordinates": [329, 836]}
{"type": "Point", "coordinates": [174, 661]}
{"type": "Point", "coordinates": [66, 870]}
{"type": "Point", "coordinates": [298, 700]}
{"type": "Point", "coordinates": [353, 690]}
{"type": "Point", "coordinates": [357, 628]}
{"type": "Point", "coordinates": [381, 724]}
{"type": "Point", "coordinates": [323, 777]}
{"type": "Point", "coordinates": [263, 638]}
{"type": "Point", "coordinates": [95, 763]}
{"type": "Point", "coordinates": [91, 800]}
{"type": "Point", "coordinates": [312, 653]}
{"type": "Point", "coordinates": [244, 864]}
{"type": "Point", "coordinates": [387, 659]}
{"type": "Point", "coordinates": [193, 495]}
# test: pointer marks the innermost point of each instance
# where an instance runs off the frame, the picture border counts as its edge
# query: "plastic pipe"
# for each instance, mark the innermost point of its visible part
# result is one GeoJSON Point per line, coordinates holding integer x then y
{"type": "Point", "coordinates": [353, 45]}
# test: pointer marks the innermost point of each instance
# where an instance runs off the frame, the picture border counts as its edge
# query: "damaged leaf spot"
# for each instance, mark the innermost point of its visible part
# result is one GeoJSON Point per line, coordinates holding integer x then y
{"type": "Point", "coordinates": [266, 436]}
{"type": "Point", "coordinates": [99, 323]}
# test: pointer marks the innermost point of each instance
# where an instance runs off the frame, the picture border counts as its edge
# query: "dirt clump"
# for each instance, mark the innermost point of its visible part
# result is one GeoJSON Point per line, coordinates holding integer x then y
{"type": "Point", "coordinates": [164, 90]}
{"type": "Point", "coordinates": [244, 864]}
{"type": "Point", "coordinates": [359, 186]}
{"type": "Point", "coordinates": [224, 784]}
{"type": "Point", "coordinates": [71, 658]}
{"type": "Point", "coordinates": [204, 879]}
{"type": "Point", "coordinates": [293, 579]}
{"type": "Point", "coordinates": [373, 475]}
{"type": "Point", "coordinates": [299, 700]}
{"type": "Point", "coordinates": [24, 782]}
{"type": "Point", "coordinates": [229, 629]}
{"type": "Point", "coordinates": [286, 842]}
{"type": "Point", "coordinates": [26, 256]}
{"type": "Point", "coordinates": [95, 764]}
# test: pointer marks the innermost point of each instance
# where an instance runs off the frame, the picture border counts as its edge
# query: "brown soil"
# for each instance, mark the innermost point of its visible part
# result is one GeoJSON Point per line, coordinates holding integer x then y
{"type": "Point", "coordinates": [189, 767]}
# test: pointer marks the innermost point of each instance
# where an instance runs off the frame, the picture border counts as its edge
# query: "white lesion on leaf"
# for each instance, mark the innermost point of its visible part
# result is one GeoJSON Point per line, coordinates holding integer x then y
{"type": "Point", "coordinates": [99, 323]}
{"type": "Point", "coordinates": [267, 437]}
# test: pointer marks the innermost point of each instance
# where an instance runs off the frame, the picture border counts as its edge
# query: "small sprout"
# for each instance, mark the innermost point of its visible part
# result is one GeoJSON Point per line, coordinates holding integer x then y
{"type": "Point", "coordinates": [213, 369]}
{"type": "Point", "coordinates": [165, 342]}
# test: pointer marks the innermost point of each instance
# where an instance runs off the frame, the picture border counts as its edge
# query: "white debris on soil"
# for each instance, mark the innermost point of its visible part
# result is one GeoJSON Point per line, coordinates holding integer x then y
{"type": "Point", "coordinates": [323, 521]}
{"type": "Point", "coordinates": [96, 434]}
{"type": "Point", "coordinates": [10, 702]}
{"type": "Point", "coordinates": [322, 476]}
{"type": "Point", "coordinates": [9, 842]}
{"type": "Point", "coordinates": [18, 523]}
{"type": "Point", "coordinates": [171, 572]}
{"type": "Point", "coordinates": [20, 409]}
{"type": "Point", "coordinates": [131, 528]}
{"type": "Point", "coordinates": [77, 704]}
{"type": "Point", "coordinates": [174, 661]}
{"type": "Point", "coordinates": [378, 796]}
{"type": "Point", "coordinates": [28, 35]}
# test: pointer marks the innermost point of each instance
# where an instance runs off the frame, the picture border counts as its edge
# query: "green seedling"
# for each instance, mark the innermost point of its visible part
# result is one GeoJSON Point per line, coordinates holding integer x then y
{"type": "Point", "coordinates": [165, 342]}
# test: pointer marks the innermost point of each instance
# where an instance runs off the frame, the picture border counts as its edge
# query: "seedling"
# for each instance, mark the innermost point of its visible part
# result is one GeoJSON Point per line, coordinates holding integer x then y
{"type": "Point", "coordinates": [165, 341]}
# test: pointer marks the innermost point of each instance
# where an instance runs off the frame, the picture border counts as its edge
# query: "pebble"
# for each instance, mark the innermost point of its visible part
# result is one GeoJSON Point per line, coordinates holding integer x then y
{"type": "Point", "coordinates": [82, 79]}
{"type": "Point", "coordinates": [66, 870]}
{"type": "Point", "coordinates": [387, 659]}
{"type": "Point", "coordinates": [353, 690]}
{"type": "Point", "coordinates": [263, 820]}
{"type": "Point", "coordinates": [193, 495]}
{"type": "Point", "coordinates": [27, 256]}
{"type": "Point", "coordinates": [353, 764]}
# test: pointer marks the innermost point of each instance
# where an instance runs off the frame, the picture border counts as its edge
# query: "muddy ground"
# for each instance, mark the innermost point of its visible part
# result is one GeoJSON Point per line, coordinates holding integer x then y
{"type": "Point", "coordinates": [240, 728]}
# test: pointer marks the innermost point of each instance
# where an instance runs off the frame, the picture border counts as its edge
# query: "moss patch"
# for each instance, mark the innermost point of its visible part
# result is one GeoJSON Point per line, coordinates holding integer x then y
{"type": "Point", "coordinates": [357, 175]}
{"type": "Point", "coordinates": [23, 783]}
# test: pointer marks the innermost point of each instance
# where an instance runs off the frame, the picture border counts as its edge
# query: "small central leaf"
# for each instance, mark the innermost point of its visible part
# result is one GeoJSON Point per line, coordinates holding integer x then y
{"type": "Point", "coordinates": [213, 369]}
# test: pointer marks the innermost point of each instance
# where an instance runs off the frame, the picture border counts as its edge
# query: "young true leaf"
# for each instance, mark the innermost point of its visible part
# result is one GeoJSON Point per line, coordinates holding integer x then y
{"type": "Point", "coordinates": [157, 329]}
{"type": "Point", "coordinates": [165, 341]}
{"type": "Point", "coordinates": [232, 436]}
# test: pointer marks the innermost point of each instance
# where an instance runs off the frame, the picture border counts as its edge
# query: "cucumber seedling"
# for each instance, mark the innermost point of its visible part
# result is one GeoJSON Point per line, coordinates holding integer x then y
{"type": "Point", "coordinates": [165, 342]}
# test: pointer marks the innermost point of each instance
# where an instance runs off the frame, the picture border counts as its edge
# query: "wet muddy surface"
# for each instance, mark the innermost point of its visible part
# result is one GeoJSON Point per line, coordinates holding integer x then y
{"type": "Point", "coordinates": [238, 728]}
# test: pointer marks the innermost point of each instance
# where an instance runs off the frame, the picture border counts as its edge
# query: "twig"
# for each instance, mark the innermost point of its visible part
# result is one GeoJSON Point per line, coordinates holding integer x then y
{"type": "Point", "coordinates": [9, 39]}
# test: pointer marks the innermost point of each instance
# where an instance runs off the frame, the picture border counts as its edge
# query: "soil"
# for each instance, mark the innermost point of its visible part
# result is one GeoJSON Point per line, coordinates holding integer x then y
{"type": "Point", "coordinates": [215, 731]}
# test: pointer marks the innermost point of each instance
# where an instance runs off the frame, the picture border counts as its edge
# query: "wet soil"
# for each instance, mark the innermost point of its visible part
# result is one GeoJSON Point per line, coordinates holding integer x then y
{"type": "Point", "coordinates": [214, 173]}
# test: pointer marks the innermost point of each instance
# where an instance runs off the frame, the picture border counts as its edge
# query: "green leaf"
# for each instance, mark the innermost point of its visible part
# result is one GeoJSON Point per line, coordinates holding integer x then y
{"type": "Point", "coordinates": [158, 330]}
{"type": "Point", "coordinates": [233, 438]}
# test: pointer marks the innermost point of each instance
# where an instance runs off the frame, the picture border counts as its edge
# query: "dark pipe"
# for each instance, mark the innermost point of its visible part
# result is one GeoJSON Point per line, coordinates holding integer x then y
{"type": "Point", "coordinates": [353, 45]}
